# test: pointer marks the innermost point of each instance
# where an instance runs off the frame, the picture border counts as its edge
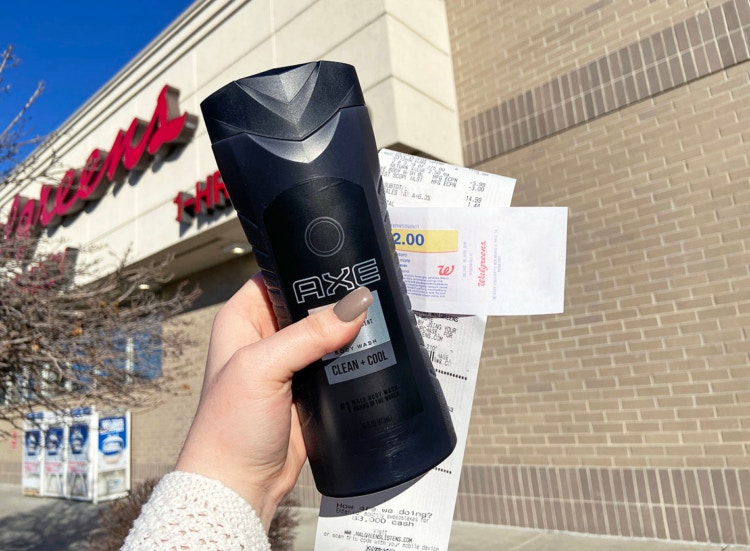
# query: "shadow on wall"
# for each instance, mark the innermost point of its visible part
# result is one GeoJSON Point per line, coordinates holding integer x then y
{"type": "Point", "coordinates": [55, 526]}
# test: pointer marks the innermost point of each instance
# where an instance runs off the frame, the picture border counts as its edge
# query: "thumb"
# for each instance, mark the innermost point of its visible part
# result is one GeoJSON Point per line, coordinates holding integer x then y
{"type": "Point", "coordinates": [296, 346]}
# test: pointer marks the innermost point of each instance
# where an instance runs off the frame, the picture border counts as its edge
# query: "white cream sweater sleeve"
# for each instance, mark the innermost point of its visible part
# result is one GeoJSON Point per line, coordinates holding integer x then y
{"type": "Point", "coordinates": [189, 511]}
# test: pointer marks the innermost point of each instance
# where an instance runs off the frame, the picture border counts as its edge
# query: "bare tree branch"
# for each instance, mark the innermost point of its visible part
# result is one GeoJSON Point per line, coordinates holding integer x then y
{"type": "Point", "coordinates": [73, 332]}
{"type": "Point", "coordinates": [65, 344]}
{"type": "Point", "coordinates": [18, 119]}
{"type": "Point", "coordinates": [14, 139]}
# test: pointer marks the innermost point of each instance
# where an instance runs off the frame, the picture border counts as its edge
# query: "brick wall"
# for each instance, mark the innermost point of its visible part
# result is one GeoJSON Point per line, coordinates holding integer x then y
{"type": "Point", "coordinates": [10, 456]}
{"type": "Point", "coordinates": [631, 114]}
{"type": "Point", "coordinates": [501, 49]}
{"type": "Point", "coordinates": [158, 434]}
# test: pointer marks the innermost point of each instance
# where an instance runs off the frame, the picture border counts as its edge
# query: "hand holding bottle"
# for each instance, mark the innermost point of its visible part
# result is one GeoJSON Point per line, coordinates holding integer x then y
{"type": "Point", "coordinates": [246, 432]}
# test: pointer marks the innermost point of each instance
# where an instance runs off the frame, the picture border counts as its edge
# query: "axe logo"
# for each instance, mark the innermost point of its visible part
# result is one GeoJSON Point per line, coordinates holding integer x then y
{"type": "Point", "coordinates": [327, 283]}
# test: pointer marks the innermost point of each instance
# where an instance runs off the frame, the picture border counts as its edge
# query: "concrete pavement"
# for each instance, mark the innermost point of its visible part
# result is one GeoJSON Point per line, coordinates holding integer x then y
{"type": "Point", "coordinates": [31, 524]}
{"type": "Point", "coordinates": [48, 524]}
{"type": "Point", "coordinates": [470, 536]}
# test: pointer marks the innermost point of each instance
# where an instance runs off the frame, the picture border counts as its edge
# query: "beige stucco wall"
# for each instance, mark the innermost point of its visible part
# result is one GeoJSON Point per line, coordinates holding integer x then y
{"type": "Point", "coordinates": [411, 99]}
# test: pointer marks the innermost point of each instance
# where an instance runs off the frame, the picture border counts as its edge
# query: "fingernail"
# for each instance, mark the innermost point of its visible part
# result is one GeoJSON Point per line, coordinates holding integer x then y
{"type": "Point", "coordinates": [353, 305]}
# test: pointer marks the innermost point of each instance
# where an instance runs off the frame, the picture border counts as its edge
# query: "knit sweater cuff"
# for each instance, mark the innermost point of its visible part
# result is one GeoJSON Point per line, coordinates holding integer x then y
{"type": "Point", "coordinates": [190, 511]}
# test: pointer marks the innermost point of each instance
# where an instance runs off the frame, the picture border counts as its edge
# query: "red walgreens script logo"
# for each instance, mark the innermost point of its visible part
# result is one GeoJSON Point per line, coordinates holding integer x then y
{"type": "Point", "coordinates": [445, 271]}
{"type": "Point", "coordinates": [133, 149]}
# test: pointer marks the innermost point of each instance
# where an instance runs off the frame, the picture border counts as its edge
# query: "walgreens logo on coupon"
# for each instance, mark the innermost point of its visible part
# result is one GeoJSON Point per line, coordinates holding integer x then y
{"type": "Point", "coordinates": [132, 149]}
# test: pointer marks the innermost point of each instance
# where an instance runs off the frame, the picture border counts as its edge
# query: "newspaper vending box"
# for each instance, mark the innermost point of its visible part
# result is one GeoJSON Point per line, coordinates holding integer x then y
{"type": "Point", "coordinates": [80, 454]}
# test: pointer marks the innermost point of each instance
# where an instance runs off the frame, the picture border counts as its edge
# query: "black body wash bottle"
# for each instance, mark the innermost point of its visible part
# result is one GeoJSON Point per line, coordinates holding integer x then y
{"type": "Point", "coordinates": [297, 154]}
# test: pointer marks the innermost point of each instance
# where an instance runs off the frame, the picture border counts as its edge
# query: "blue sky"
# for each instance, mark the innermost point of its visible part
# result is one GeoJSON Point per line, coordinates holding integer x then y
{"type": "Point", "coordinates": [75, 47]}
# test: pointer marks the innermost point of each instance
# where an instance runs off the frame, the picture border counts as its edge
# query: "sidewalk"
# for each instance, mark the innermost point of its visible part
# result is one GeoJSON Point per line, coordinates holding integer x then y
{"type": "Point", "coordinates": [49, 524]}
{"type": "Point", "coordinates": [31, 524]}
{"type": "Point", "coordinates": [469, 536]}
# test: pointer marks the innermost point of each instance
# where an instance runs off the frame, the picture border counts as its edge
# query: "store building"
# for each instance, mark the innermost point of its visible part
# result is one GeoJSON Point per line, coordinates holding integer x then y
{"type": "Point", "coordinates": [627, 415]}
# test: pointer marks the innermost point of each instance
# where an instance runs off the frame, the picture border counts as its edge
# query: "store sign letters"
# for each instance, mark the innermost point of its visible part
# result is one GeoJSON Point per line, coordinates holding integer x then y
{"type": "Point", "coordinates": [132, 149]}
{"type": "Point", "coordinates": [210, 195]}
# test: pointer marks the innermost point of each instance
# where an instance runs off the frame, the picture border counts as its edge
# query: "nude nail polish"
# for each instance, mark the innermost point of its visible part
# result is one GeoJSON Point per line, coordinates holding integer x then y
{"type": "Point", "coordinates": [353, 305]}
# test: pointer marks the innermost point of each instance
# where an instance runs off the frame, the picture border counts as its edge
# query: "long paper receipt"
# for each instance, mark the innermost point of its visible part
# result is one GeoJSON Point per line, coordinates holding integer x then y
{"type": "Point", "coordinates": [488, 261]}
{"type": "Point", "coordinates": [419, 517]}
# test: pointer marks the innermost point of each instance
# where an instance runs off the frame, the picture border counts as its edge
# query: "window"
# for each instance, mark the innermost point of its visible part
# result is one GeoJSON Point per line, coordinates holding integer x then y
{"type": "Point", "coordinates": [132, 357]}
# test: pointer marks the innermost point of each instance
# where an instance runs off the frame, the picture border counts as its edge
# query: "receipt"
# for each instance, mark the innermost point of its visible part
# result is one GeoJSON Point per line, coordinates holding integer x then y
{"type": "Point", "coordinates": [414, 181]}
{"type": "Point", "coordinates": [489, 261]}
{"type": "Point", "coordinates": [419, 514]}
